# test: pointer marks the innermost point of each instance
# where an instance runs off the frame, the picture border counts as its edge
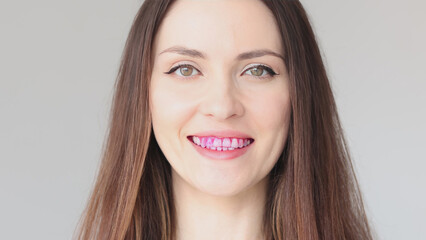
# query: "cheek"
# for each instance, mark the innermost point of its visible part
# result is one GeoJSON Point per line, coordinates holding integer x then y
{"type": "Point", "coordinates": [271, 109]}
{"type": "Point", "coordinates": [273, 119]}
{"type": "Point", "coordinates": [171, 109]}
{"type": "Point", "coordinates": [272, 113]}
{"type": "Point", "coordinates": [159, 105]}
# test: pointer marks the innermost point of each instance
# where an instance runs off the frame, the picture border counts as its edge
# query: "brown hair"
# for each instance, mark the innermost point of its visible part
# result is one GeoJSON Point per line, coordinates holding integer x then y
{"type": "Point", "coordinates": [313, 192]}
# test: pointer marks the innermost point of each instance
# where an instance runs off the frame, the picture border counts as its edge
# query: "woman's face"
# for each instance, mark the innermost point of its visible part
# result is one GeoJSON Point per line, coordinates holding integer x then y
{"type": "Point", "coordinates": [219, 88]}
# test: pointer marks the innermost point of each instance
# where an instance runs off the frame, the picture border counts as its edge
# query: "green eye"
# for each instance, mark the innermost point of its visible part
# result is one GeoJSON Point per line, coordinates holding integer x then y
{"type": "Point", "coordinates": [257, 71]}
{"type": "Point", "coordinates": [260, 71]}
{"type": "Point", "coordinates": [186, 71]}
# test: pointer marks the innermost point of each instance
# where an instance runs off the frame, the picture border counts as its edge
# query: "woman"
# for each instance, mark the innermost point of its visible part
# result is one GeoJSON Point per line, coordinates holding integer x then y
{"type": "Point", "coordinates": [224, 126]}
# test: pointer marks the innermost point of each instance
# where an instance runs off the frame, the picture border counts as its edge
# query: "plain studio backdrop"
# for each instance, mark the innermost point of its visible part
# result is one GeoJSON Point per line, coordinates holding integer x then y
{"type": "Point", "coordinates": [59, 60]}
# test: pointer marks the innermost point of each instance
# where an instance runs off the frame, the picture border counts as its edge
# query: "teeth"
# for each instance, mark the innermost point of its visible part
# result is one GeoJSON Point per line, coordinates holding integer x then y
{"type": "Point", "coordinates": [209, 142]}
{"type": "Point", "coordinates": [217, 142]}
{"type": "Point", "coordinates": [240, 143]}
{"type": "Point", "coordinates": [234, 143]}
{"type": "Point", "coordinates": [225, 144]}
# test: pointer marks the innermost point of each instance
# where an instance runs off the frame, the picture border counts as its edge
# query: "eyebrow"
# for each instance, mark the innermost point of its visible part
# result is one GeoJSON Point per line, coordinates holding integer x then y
{"type": "Point", "coordinates": [242, 56]}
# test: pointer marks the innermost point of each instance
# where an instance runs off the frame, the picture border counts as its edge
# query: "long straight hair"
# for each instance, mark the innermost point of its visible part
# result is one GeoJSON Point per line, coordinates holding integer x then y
{"type": "Point", "coordinates": [313, 192]}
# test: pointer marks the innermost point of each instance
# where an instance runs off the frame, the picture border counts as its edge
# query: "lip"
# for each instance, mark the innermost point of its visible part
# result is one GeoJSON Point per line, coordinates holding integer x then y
{"type": "Point", "coordinates": [220, 155]}
{"type": "Point", "coordinates": [222, 134]}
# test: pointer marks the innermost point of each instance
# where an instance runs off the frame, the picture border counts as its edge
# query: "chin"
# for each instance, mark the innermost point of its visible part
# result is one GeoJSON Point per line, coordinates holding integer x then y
{"type": "Point", "coordinates": [221, 188]}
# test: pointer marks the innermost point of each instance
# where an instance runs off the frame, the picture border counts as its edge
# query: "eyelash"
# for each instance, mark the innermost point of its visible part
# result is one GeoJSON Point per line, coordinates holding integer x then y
{"type": "Point", "coordinates": [269, 71]}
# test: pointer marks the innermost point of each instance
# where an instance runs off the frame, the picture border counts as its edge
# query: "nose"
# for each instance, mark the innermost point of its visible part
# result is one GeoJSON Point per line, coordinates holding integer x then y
{"type": "Point", "coordinates": [222, 99]}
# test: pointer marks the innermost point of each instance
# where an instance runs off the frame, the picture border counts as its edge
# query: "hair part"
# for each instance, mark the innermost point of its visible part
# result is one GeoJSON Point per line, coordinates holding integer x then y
{"type": "Point", "coordinates": [313, 191]}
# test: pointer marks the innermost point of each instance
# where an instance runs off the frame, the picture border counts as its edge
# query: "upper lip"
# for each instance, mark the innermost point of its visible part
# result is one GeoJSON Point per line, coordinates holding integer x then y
{"type": "Point", "coordinates": [222, 134]}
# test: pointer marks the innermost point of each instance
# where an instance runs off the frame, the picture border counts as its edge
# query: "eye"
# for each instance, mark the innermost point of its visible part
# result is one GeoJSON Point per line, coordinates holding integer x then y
{"type": "Point", "coordinates": [260, 71]}
{"type": "Point", "coordinates": [189, 71]}
{"type": "Point", "coordinates": [185, 70]}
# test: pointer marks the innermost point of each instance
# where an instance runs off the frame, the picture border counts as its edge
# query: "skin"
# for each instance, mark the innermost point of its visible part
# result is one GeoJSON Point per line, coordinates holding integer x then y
{"type": "Point", "coordinates": [219, 199]}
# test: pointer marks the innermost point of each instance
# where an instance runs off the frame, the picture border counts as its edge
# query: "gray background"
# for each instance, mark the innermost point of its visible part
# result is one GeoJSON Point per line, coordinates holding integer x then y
{"type": "Point", "coordinates": [59, 59]}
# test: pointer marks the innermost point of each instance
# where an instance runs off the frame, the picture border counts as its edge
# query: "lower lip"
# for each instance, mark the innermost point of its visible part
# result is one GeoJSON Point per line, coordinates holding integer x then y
{"type": "Point", "coordinates": [221, 155]}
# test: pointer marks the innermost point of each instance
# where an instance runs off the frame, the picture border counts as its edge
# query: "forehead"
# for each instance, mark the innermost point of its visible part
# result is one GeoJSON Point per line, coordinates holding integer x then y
{"type": "Point", "coordinates": [219, 27]}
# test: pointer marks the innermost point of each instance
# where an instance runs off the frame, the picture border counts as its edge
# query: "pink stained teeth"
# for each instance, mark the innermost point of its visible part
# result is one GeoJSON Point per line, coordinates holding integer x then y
{"type": "Point", "coordinates": [234, 143]}
{"type": "Point", "coordinates": [226, 142]}
{"type": "Point", "coordinates": [220, 144]}
{"type": "Point", "coordinates": [209, 142]}
{"type": "Point", "coordinates": [240, 143]}
{"type": "Point", "coordinates": [217, 142]}
{"type": "Point", "coordinates": [203, 142]}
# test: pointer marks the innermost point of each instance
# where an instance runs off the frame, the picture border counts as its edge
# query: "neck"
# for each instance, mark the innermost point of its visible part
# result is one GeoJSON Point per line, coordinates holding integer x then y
{"type": "Point", "coordinates": [204, 216]}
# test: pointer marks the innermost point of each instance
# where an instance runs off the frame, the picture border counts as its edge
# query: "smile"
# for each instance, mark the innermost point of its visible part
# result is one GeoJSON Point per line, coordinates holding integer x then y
{"type": "Point", "coordinates": [221, 148]}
